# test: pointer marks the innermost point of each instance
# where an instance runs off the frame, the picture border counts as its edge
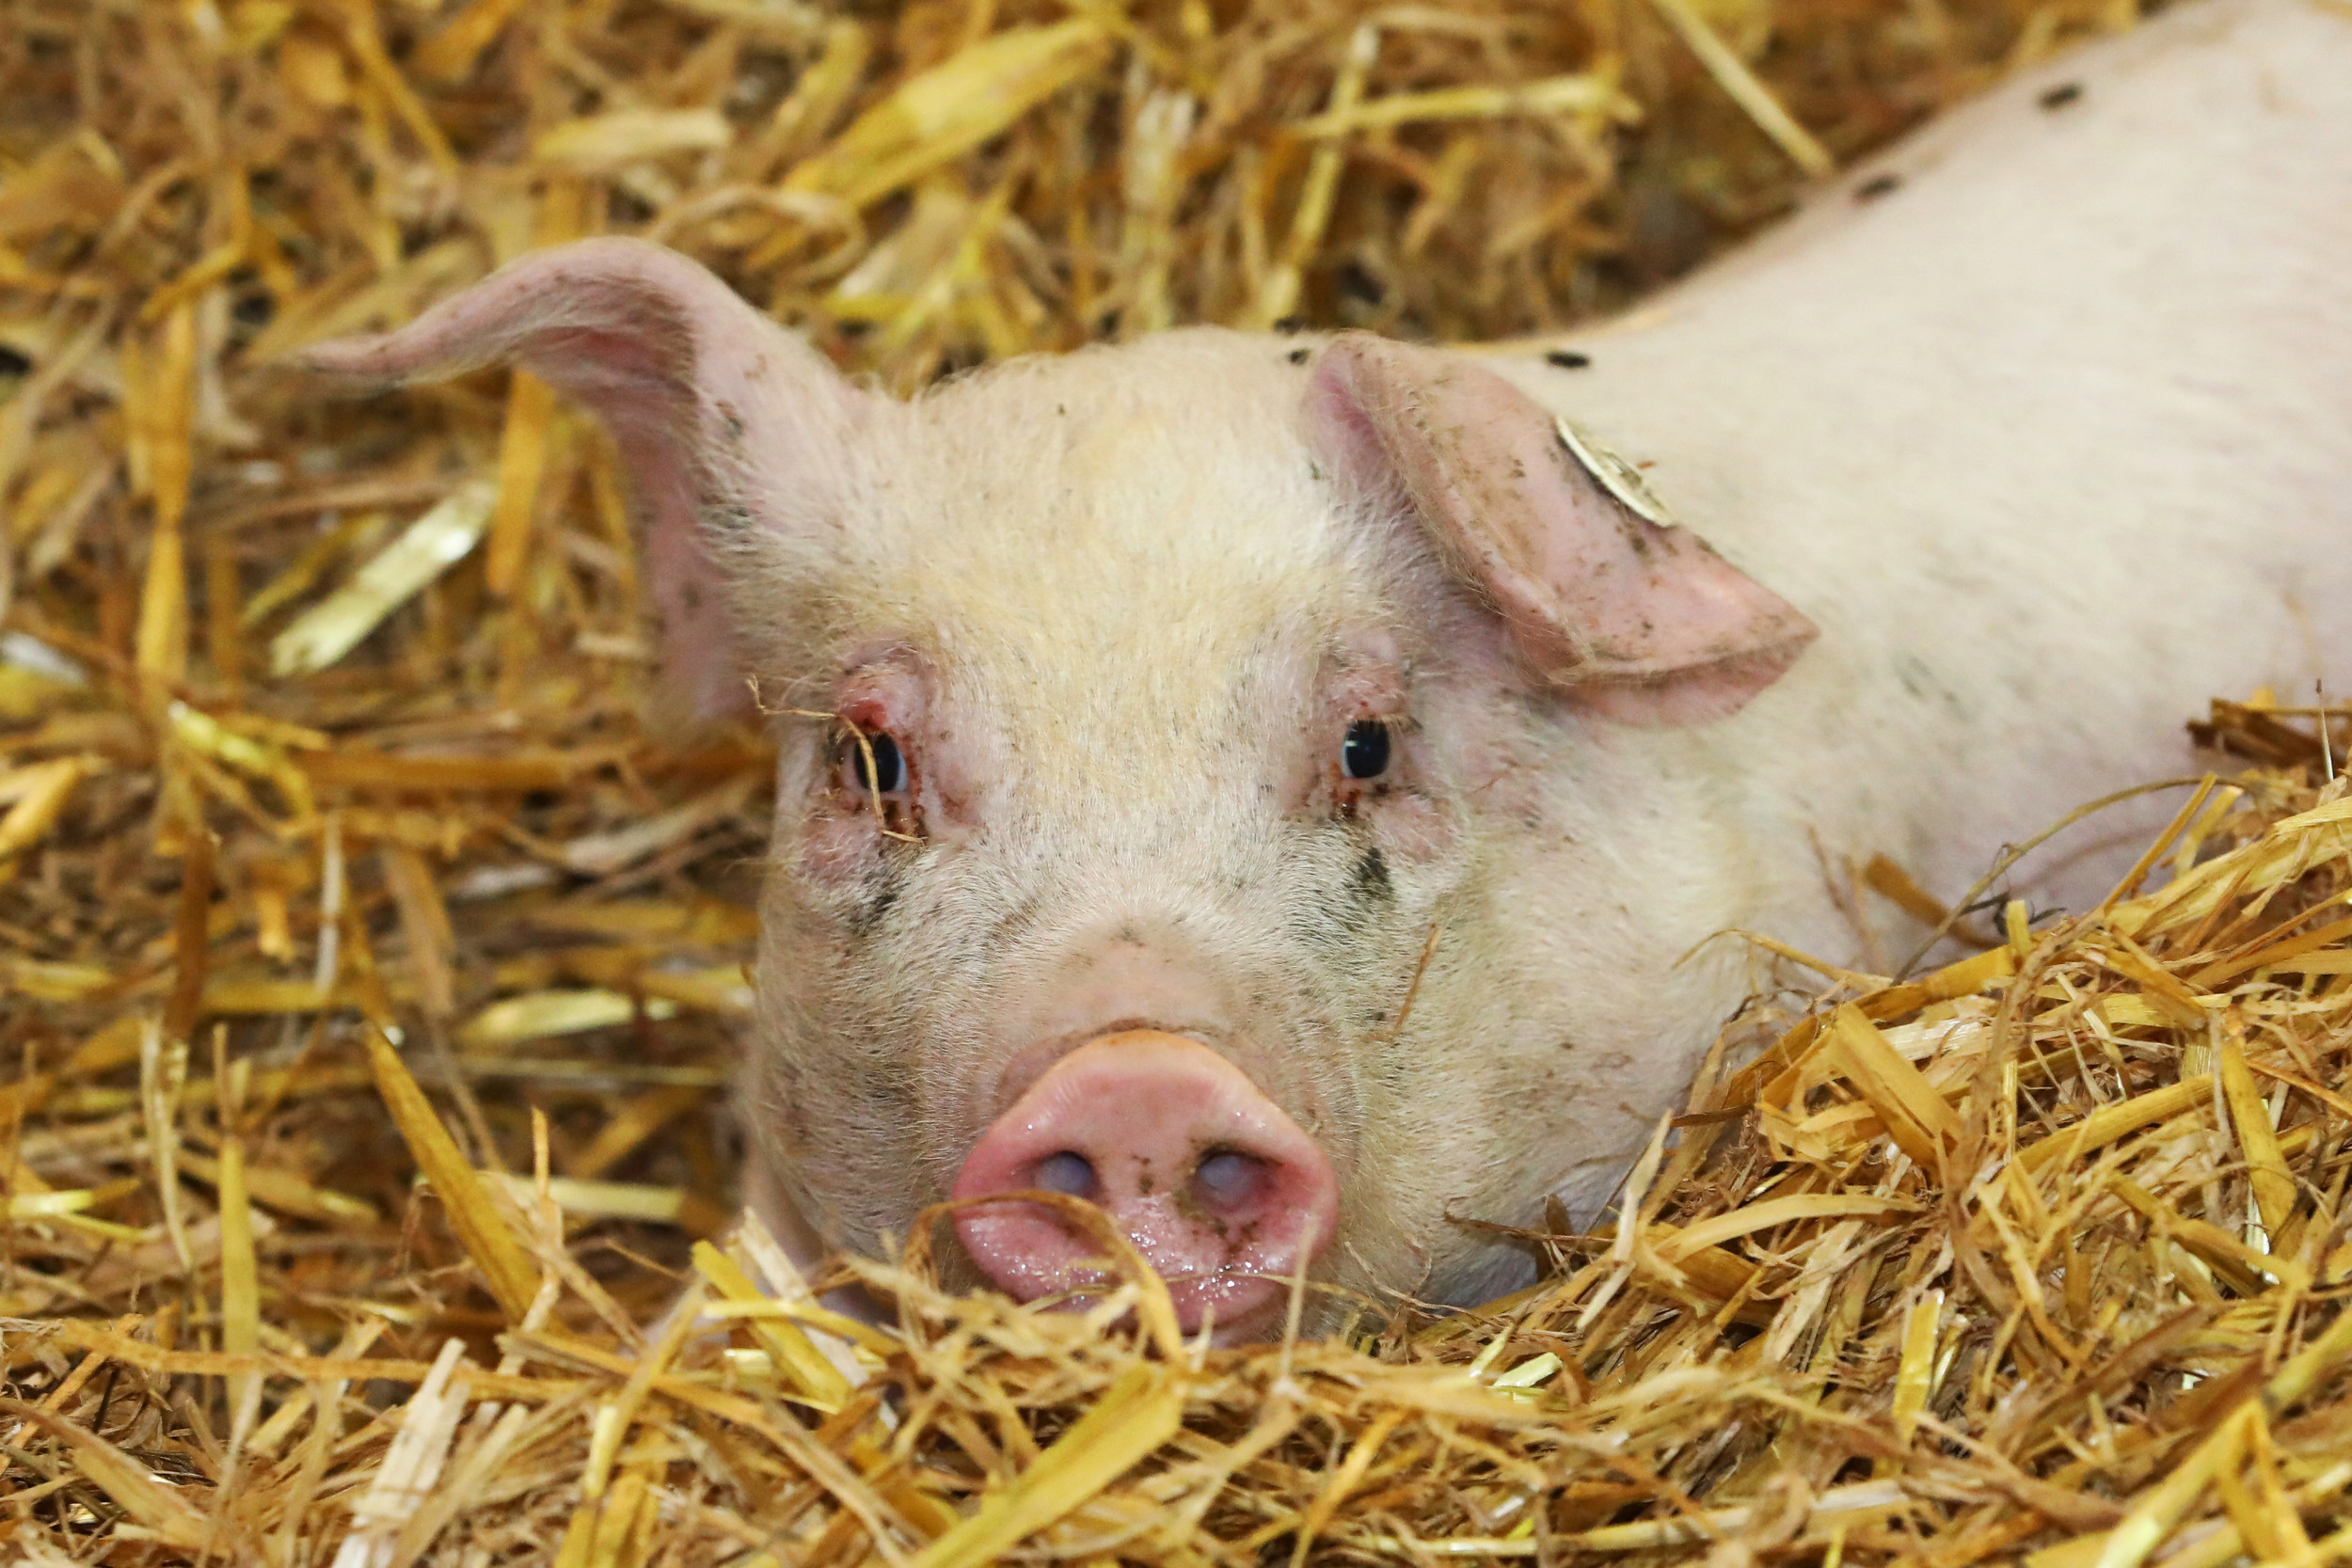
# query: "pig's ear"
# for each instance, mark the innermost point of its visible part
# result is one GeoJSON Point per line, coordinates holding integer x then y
{"type": "Point", "coordinates": [702, 393]}
{"type": "Point", "coordinates": [1604, 595]}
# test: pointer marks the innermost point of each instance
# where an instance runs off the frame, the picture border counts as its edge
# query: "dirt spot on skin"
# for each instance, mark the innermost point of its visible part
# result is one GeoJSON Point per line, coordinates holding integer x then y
{"type": "Point", "coordinates": [1188, 1204]}
{"type": "Point", "coordinates": [868, 914]}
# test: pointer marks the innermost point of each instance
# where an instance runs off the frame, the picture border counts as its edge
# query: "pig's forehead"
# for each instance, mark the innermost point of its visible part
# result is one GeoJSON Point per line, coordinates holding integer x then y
{"type": "Point", "coordinates": [1157, 504]}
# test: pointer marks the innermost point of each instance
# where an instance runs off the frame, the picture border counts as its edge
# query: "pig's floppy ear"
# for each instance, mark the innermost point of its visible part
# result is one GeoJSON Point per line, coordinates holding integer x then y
{"type": "Point", "coordinates": [1605, 597]}
{"type": "Point", "coordinates": [700, 392]}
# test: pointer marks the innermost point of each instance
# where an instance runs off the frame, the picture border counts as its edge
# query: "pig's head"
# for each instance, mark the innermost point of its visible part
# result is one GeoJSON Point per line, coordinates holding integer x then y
{"type": "Point", "coordinates": [1193, 706]}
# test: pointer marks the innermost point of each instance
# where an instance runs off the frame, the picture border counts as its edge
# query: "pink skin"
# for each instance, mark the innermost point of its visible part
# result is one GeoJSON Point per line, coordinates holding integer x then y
{"type": "Point", "coordinates": [1223, 1193]}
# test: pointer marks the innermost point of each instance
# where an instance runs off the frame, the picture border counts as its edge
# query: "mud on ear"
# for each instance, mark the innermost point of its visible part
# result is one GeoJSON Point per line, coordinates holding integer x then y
{"type": "Point", "coordinates": [1604, 595]}
{"type": "Point", "coordinates": [714, 407]}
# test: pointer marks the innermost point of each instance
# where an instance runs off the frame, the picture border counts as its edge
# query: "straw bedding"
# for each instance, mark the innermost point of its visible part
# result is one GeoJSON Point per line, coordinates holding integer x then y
{"type": "Point", "coordinates": [370, 974]}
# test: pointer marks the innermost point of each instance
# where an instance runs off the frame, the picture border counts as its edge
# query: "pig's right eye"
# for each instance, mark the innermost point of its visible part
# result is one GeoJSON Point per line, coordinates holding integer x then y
{"type": "Point", "coordinates": [872, 767]}
{"type": "Point", "coordinates": [1364, 751]}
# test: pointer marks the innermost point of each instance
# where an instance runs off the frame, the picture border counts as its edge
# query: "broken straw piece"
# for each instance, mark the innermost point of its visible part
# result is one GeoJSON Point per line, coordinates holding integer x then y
{"type": "Point", "coordinates": [630, 1200]}
{"type": "Point", "coordinates": [602, 854]}
{"type": "Point", "coordinates": [536, 1015]}
{"type": "Point", "coordinates": [429, 547]}
{"type": "Point", "coordinates": [21, 651]}
{"type": "Point", "coordinates": [411, 1465]}
{"type": "Point", "coordinates": [974, 94]}
{"type": "Point", "coordinates": [628, 136]}
{"type": "Point", "coordinates": [1578, 93]}
{"type": "Point", "coordinates": [36, 796]}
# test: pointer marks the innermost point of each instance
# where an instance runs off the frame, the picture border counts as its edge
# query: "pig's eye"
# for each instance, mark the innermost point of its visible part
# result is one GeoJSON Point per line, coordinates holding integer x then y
{"type": "Point", "coordinates": [884, 773]}
{"type": "Point", "coordinates": [1364, 755]}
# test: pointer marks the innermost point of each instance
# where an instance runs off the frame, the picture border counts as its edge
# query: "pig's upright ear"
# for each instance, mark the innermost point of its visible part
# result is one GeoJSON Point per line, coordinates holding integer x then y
{"type": "Point", "coordinates": [705, 398]}
{"type": "Point", "coordinates": [1605, 597]}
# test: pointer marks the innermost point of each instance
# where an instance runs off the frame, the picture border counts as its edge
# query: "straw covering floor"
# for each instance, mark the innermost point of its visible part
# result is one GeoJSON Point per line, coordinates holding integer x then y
{"type": "Point", "coordinates": [368, 971]}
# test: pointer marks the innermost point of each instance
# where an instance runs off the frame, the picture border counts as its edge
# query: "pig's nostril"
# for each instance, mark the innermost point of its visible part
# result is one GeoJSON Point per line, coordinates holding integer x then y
{"type": "Point", "coordinates": [1227, 1180]}
{"type": "Point", "coordinates": [1066, 1172]}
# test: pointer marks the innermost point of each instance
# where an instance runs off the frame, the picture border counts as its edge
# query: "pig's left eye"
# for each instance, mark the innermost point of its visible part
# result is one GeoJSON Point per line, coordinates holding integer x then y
{"type": "Point", "coordinates": [1364, 752]}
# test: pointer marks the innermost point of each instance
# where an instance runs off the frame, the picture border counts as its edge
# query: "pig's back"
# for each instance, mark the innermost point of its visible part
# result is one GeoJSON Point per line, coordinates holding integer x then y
{"type": "Point", "coordinates": [2053, 439]}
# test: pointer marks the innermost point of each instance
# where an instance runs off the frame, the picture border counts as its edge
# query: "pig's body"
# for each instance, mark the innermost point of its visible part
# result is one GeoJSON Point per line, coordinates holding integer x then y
{"type": "Point", "coordinates": [2053, 441]}
{"type": "Point", "coordinates": [1296, 796]}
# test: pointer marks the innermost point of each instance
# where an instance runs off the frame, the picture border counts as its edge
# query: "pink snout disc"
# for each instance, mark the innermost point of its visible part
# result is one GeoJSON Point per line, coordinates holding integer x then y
{"type": "Point", "coordinates": [1222, 1192]}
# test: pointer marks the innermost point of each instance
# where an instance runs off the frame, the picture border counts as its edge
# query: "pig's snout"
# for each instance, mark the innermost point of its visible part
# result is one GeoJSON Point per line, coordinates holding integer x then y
{"type": "Point", "coordinates": [1222, 1192]}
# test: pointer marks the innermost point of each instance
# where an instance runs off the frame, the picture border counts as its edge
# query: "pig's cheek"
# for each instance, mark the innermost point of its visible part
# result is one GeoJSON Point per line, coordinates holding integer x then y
{"type": "Point", "coordinates": [1502, 780]}
{"type": "Point", "coordinates": [1413, 828]}
{"type": "Point", "coordinates": [837, 850]}
{"type": "Point", "coordinates": [785, 1107]}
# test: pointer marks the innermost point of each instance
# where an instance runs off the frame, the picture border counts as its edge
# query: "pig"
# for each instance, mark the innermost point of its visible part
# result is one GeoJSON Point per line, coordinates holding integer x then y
{"type": "Point", "coordinates": [1280, 790]}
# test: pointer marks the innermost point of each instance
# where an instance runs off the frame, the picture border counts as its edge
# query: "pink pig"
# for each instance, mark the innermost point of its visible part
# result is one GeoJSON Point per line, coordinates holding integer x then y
{"type": "Point", "coordinates": [1281, 788]}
